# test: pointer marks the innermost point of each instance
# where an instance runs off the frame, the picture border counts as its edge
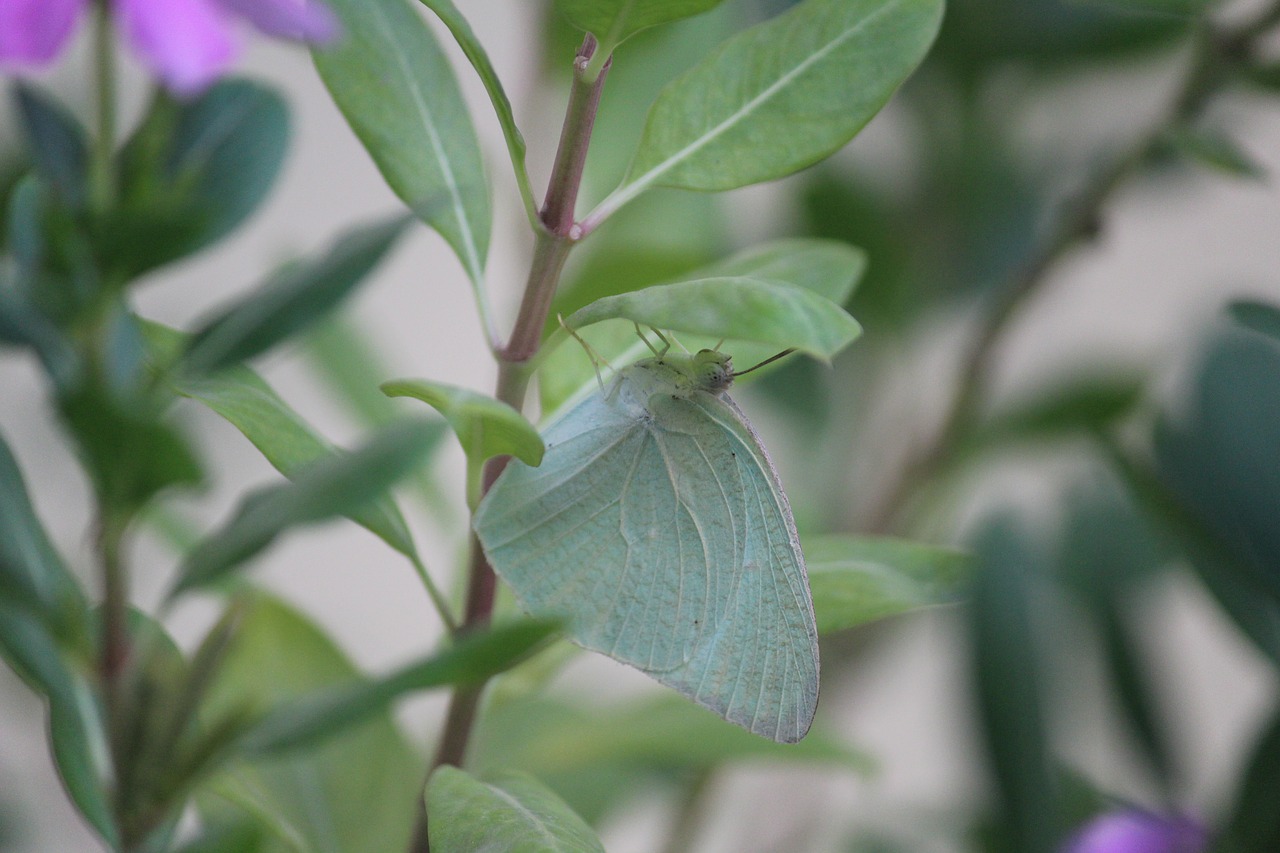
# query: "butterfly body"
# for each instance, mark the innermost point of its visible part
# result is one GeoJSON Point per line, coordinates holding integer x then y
{"type": "Point", "coordinates": [657, 527]}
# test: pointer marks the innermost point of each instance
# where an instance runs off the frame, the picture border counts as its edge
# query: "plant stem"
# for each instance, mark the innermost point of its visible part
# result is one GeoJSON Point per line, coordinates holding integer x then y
{"type": "Point", "coordinates": [555, 238]}
{"type": "Point", "coordinates": [1078, 221]}
{"type": "Point", "coordinates": [115, 607]}
{"type": "Point", "coordinates": [688, 817]}
{"type": "Point", "coordinates": [102, 189]}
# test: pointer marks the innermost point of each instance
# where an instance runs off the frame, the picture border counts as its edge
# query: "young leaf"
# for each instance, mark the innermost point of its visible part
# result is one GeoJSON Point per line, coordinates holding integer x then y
{"type": "Point", "coordinates": [471, 660]}
{"type": "Point", "coordinates": [512, 812]}
{"type": "Point", "coordinates": [746, 309]}
{"type": "Point", "coordinates": [1260, 316]}
{"type": "Point", "coordinates": [1215, 150]}
{"type": "Point", "coordinates": [398, 92]}
{"type": "Point", "coordinates": [614, 21]}
{"type": "Point", "coordinates": [486, 427]}
{"type": "Point", "coordinates": [780, 96]}
{"type": "Point", "coordinates": [57, 144]}
{"type": "Point", "coordinates": [292, 299]}
{"type": "Point", "coordinates": [858, 579]}
{"type": "Point", "coordinates": [332, 486]}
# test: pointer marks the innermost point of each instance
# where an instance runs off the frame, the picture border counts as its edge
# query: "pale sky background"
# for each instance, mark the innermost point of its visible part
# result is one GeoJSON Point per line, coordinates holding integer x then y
{"type": "Point", "coordinates": [1169, 258]}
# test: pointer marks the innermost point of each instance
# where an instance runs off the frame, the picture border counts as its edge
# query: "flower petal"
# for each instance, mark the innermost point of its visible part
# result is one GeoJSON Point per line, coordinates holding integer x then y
{"type": "Point", "coordinates": [32, 32]}
{"type": "Point", "coordinates": [300, 20]}
{"type": "Point", "coordinates": [188, 43]}
{"type": "Point", "coordinates": [1134, 831]}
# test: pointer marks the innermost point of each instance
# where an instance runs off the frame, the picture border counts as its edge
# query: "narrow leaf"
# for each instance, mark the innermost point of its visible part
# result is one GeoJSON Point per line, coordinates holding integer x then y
{"type": "Point", "coordinates": [1215, 150]}
{"type": "Point", "coordinates": [399, 94]}
{"type": "Point", "coordinates": [746, 309]}
{"type": "Point", "coordinates": [830, 268]}
{"type": "Point", "coordinates": [471, 660]}
{"type": "Point", "coordinates": [486, 427]}
{"type": "Point", "coordinates": [858, 579]}
{"type": "Point", "coordinates": [780, 96]}
{"type": "Point", "coordinates": [292, 299]}
{"type": "Point", "coordinates": [329, 487]}
{"type": "Point", "coordinates": [614, 21]}
{"type": "Point", "coordinates": [57, 144]}
{"type": "Point", "coordinates": [1254, 824]}
{"type": "Point", "coordinates": [512, 812]}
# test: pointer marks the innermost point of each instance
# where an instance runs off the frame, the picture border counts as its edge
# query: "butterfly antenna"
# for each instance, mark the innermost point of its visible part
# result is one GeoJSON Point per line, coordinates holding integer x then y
{"type": "Point", "coordinates": [770, 360]}
{"type": "Point", "coordinates": [596, 358]}
{"type": "Point", "coordinates": [719, 344]}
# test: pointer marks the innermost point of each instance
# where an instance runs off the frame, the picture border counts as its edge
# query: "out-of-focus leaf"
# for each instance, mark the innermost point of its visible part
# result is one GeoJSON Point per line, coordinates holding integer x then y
{"type": "Point", "coordinates": [780, 96]}
{"type": "Point", "coordinates": [1134, 690]}
{"type": "Point", "coordinates": [614, 21]}
{"type": "Point", "coordinates": [1253, 826]}
{"type": "Point", "coordinates": [1007, 672]}
{"type": "Point", "coordinates": [742, 309]}
{"type": "Point", "coordinates": [295, 297]}
{"type": "Point", "coordinates": [332, 486]}
{"type": "Point", "coordinates": [32, 575]}
{"type": "Point", "coordinates": [485, 427]}
{"type": "Point", "coordinates": [398, 92]}
{"type": "Point", "coordinates": [315, 717]}
{"type": "Point", "coordinates": [1265, 76]}
{"type": "Point", "coordinates": [510, 811]}
{"type": "Point", "coordinates": [1260, 316]}
{"type": "Point", "coordinates": [342, 354]}
{"type": "Point", "coordinates": [242, 836]}
{"type": "Point", "coordinates": [1215, 150]}
{"type": "Point", "coordinates": [56, 143]}
{"type": "Point", "coordinates": [858, 579]}
{"type": "Point", "coordinates": [1079, 406]}
{"type": "Point", "coordinates": [357, 793]}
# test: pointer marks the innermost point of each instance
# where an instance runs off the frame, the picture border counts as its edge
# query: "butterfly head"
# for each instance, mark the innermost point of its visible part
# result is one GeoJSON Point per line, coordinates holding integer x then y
{"type": "Point", "coordinates": [712, 371]}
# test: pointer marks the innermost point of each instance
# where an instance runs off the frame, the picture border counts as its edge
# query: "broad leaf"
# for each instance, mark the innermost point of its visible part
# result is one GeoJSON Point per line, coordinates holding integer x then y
{"type": "Point", "coordinates": [397, 90]}
{"type": "Point", "coordinates": [472, 660]}
{"type": "Point", "coordinates": [56, 143]}
{"type": "Point", "coordinates": [332, 486]}
{"type": "Point", "coordinates": [780, 96]}
{"type": "Point", "coordinates": [296, 296]}
{"type": "Point", "coordinates": [1260, 316]}
{"type": "Point", "coordinates": [510, 811]}
{"type": "Point", "coordinates": [830, 268]}
{"type": "Point", "coordinates": [613, 21]}
{"type": "Point", "coordinates": [486, 427]}
{"type": "Point", "coordinates": [858, 579]}
{"type": "Point", "coordinates": [738, 308]}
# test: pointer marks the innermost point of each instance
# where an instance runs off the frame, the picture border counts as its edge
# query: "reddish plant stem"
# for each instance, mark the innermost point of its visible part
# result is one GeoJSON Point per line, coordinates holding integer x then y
{"type": "Point", "coordinates": [553, 242]}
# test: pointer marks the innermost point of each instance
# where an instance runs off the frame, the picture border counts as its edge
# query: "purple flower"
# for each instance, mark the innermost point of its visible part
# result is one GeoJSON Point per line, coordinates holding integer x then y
{"type": "Point", "coordinates": [187, 43]}
{"type": "Point", "coordinates": [1135, 831]}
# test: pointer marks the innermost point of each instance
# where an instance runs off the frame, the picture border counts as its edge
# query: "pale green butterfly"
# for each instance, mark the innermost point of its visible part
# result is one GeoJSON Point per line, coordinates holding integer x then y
{"type": "Point", "coordinates": [657, 526]}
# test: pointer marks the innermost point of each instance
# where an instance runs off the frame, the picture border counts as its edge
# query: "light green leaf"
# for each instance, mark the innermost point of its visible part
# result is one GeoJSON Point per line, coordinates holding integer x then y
{"type": "Point", "coordinates": [738, 308]}
{"type": "Point", "coordinates": [829, 268]}
{"type": "Point", "coordinates": [486, 427]}
{"type": "Point", "coordinates": [614, 21]}
{"type": "Point", "coordinates": [399, 94]}
{"type": "Point", "coordinates": [356, 793]}
{"type": "Point", "coordinates": [858, 579]}
{"type": "Point", "coordinates": [452, 18]}
{"type": "Point", "coordinates": [329, 487]}
{"type": "Point", "coordinates": [1216, 150]}
{"type": "Point", "coordinates": [473, 659]}
{"type": "Point", "coordinates": [293, 298]}
{"type": "Point", "coordinates": [779, 96]}
{"type": "Point", "coordinates": [511, 812]}
{"type": "Point", "coordinates": [1258, 316]}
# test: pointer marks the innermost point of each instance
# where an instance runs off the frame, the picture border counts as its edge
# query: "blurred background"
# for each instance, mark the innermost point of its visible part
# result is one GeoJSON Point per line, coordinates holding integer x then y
{"type": "Point", "coordinates": [1142, 688]}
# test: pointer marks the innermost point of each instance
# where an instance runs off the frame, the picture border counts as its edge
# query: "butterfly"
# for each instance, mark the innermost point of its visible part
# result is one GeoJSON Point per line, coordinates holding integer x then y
{"type": "Point", "coordinates": [656, 526]}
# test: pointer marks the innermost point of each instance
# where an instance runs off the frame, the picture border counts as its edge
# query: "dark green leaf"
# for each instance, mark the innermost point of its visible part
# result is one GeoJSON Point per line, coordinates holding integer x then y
{"type": "Point", "coordinates": [510, 811]}
{"type": "Point", "coordinates": [1260, 316]}
{"type": "Point", "coordinates": [614, 21]}
{"type": "Point", "coordinates": [56, 143]}
{"type": "Point", "coordinates": [297, 296]}
{"type": "Point", "coordinates": [1254, 824]}
{"type": "Point", "coordinates": [1078, 406]}
{"type": "Point", "coordinates": [858, 579]}
{"type": "Point", "coordinates": [332, 486]}
{"type": "Point", "coordinates": [1008, 670]}
{"type": "Point", "coordinates": [472, 660]}
{"type": "Point", "coordinates": [1130, 679]}
{"type": "Point", "coordinates": [399, 94]}
{"type": "Point", "coordinates": [1215, 150]}
{"type": "Point", "coordinates": [486, 427]}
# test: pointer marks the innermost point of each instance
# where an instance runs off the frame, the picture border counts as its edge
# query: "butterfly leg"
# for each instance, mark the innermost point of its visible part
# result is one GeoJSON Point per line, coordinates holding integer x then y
{"type": "Point", "coordinates": [596, 358]}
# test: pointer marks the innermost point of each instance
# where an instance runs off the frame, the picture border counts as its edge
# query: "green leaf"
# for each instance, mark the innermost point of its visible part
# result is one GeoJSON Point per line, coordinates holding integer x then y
{"type": "Point", "coordinates": [1253, 825]}
{"type": "Point", "coordinates": [292, 299]}
{"type": "Point", "coordinates": [332, 486]}
{"type": "Point", "coordinates": [614, 21]}
{"type": "Point", "coordinates": [357, 793]}
{"type": "Point", "coordinates": [343, 354]}
{"type": "Point", "coordinates": [1078, 406]}
{"type": "Point", "coordinates": [398, 92]}
{"type": "Point", "coordinates": [462, 33]}
{"type": "Point", "coordinates": [1008, 671]}
{"type": "Point", "coordinates": [1135, 692]}
{"type": "Point", "coordinates": [1215, 150]}
{"type": "Point", "coordinates": [56, 143]}
{"type": "Point", "coordinates": [472, 660]}
{"type": "Point", "coordinates": [1258, 316]}
{"type": "Point", "coordinates": [829, 268]}
{"type": "Point", "coordinates": [858, 579]}
{"type": "Point", "coordinates": [738, 308]}
{"type": "Point", "coordinates": [486, 427]}
{"type": "Point", "coordinates": [511, 811]}
{"type": "Point", "coordinates": [780, 96]}
{"type": "Point", "coordinates": [32, 575]}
